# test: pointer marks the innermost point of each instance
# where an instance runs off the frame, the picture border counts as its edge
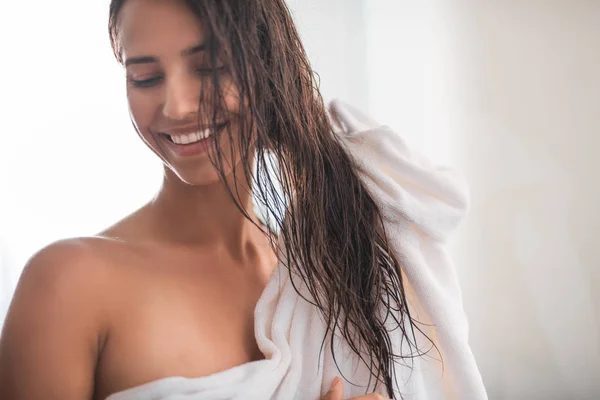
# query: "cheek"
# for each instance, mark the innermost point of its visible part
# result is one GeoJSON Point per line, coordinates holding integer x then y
{"type": "Point", "coordinates": [231, 95]}
{"type": "Point", "coordinates": [142, 108]}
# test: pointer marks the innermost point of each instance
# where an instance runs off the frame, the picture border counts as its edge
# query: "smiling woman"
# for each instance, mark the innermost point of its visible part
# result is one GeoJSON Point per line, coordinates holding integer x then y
{"type": "Point", "coordinates": [191, 293]}
{"type": "Point", "coordinates": [170, 64]}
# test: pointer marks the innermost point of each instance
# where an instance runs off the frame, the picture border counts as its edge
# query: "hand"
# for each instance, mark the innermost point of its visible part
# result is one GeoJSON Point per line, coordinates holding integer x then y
{"type": "Point", "coordinates": [337, 391]}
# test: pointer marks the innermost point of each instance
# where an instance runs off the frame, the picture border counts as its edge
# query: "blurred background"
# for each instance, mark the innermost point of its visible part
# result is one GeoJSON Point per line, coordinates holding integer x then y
{"type": "Point", "coordinates": [507, 91]}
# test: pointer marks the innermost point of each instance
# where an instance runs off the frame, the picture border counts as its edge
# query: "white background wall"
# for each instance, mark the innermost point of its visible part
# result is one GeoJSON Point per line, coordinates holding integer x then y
{"type": "Point", "coordinates": [507, 90]}
{"type": "Point", "coordinates": [525, 129]}
{"type": "Point", "coordinates": [69, 158]}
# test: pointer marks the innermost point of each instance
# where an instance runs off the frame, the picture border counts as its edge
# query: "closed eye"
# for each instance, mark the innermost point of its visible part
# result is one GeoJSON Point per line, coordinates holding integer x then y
{"type": "Point", "coordinates": [150, 82]}
{"type": "Point", "coordinates": [146, 83]}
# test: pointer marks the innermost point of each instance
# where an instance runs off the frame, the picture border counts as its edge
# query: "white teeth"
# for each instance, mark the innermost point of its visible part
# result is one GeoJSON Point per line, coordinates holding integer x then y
{"type": "Point", "coordinates": [191, 137]}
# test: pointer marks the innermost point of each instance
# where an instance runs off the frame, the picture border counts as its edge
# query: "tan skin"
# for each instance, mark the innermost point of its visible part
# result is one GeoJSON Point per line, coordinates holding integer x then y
{"type": "Point", "coordinates": [168, 291]}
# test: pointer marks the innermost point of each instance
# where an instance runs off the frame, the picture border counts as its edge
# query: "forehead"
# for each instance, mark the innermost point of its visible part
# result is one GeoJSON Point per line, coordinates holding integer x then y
{"type": "Point", "coordinates": [158, 26]}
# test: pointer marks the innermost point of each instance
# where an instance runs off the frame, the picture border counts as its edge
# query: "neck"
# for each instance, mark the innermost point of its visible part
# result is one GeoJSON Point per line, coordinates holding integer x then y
{"type": "Point", "coordinates": [199, 216]}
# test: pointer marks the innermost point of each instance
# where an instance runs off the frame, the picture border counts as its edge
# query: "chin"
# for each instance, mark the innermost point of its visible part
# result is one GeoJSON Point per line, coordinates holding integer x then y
{"type": "Point", "coordinates": [199, 176]}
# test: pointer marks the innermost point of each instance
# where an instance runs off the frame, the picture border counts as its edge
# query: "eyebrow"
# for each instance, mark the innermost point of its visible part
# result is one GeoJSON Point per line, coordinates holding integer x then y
{"type": "Point", "coordinates": [151, 59]}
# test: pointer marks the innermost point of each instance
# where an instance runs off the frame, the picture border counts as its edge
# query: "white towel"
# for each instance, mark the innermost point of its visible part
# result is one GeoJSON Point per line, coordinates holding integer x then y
{"type": "Point", "coordinates": [421, 204]}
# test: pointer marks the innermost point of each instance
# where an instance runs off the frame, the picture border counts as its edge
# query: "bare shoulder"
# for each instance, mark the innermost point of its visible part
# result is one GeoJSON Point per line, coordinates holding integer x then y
{"type": "Point", "coordinates": [74, 260]}
{"type": "Point", "coordinates": [53, 330]}
{"type": "Point", "coordinates": [70, 268]}
{"type": "Point", "coordinates": [72, 275]}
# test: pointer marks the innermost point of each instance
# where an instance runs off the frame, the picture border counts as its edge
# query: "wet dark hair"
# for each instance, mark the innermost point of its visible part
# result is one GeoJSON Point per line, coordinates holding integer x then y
{"type": "Point", "coordinates": [330, 227]}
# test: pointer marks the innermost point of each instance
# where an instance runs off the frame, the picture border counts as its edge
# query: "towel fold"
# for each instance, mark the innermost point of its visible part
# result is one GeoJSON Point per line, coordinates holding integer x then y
{"type": "Point", "coordinates": [421, 204]}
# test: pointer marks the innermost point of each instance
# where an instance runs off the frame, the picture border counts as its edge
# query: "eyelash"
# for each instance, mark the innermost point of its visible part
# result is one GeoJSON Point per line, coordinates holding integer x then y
{"type": "Point", "coordinates": [202, 72]}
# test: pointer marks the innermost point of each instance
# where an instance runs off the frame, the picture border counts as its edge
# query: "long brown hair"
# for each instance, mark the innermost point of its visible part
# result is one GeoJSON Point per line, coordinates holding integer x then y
{"type": "Point", "coordinates": [330, 227]}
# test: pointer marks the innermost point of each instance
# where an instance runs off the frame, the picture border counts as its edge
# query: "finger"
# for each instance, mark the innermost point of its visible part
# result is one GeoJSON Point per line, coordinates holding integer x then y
{"type": "Point", "coordinates": [336, 391]}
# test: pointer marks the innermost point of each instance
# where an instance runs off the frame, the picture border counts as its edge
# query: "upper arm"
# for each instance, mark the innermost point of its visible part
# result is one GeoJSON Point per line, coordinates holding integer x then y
{"type": "Point", "coordinates": [49, 344]}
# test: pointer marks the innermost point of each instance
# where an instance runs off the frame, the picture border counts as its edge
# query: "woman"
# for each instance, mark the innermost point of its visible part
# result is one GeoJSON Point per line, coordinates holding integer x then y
{"type": "Point", "coordinates": [191, 294]}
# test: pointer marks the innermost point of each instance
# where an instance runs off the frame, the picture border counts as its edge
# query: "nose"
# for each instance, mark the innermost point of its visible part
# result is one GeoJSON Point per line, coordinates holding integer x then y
{"type": "Point", "coordinates": [181, 98]}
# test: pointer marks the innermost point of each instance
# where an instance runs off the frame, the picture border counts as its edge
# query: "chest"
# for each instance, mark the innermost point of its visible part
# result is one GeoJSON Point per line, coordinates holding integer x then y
{"type": "Point", "coordinates": [188, 322]}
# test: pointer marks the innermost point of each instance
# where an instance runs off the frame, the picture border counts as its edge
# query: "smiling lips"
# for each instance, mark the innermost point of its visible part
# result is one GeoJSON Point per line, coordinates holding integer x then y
{"type": "Point", "coordinates": [192, 135]}
{"type": "Point", "coordinates": [192, 141]}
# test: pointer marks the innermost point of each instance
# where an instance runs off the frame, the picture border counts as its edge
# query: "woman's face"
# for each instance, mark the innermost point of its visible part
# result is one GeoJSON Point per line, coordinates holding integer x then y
{"type": "Point", "coordinates": [166, 69]}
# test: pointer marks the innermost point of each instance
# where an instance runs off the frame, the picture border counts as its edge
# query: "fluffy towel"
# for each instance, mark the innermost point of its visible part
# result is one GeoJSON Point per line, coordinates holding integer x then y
{"type": "Point", "coordinates": [421, 204]}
